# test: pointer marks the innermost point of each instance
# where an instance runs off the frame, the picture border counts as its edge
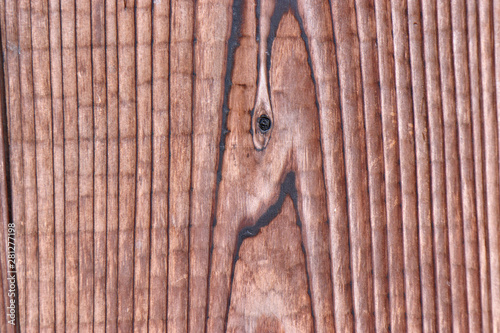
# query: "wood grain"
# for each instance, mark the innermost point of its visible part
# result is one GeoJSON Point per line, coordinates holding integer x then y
{"type": "Point", "coordinates": [422, 149]}
{"type": "Point", "coordinates": [160, 169]}
{"type": "Point", "coordinates": [251, 165]}
{"type": "Point", "coordinates": [112, 170]}
{"type": "Point", "coordinates": [276, 279]}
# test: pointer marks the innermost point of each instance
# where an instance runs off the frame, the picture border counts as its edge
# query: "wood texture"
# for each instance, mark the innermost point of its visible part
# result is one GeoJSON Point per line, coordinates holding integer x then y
{"type": "Point", "coordinates": [251, 165]}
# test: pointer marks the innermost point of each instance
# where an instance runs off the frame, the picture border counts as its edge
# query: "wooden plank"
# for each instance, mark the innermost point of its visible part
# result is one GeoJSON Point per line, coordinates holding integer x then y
{"type": "Point", "coordinates": [406, 133]}
{"type": "Point", "coordinates": [15, 142]}
{"type": "Point", "coordinates": [494, 214]}
{"type": "Point", "coordinates": [71, 134]}
{"type": "Point", "coordinates": [112, 161]}
{"type": "Point", "coordinates": [29, 153]}
{"type": "Point", "coordinates": [423, 171]}
{"type": "Point", "coordinates": [436, 137]}
{"type": "Point", "coordinates": [465, 142]}
{"type": "Point", "coordinates": [56, 79]}
{"type": "Point", "coordinates": [391, 162]}
{"type": "Point", "coordinates": [478, 148]}
{"type": "Point", "coordinates": [453, 197]}
{"type": "Point", "coordinates": [160, 180]}
{"type": "Point", "coordinates": [491, 155]}
{"type": "Point", "coordinates": [180, 162]}
{"type": "Point", "coordinates": [367, 32]}
{"type": "Point", "coordinates": [317, 21]}
{"type": "Point", "coordinates": [212, 26]}
{"type": "Point", "coordinates": [251, 165]}
{"type": "Point", "coordinates": [348, 53]}
{"type": "Point", "coordinates": [7, 241]}
{"type": "Point", "coordinates": [127, 162]}
{"type": "Point", "coordinates": [144, 165]}
{"type": "Point", "coordinates": [84, 70]}
{"type": "Point", "coordinates": [44, 163]}
{"type": "Point", "coordinates": [98, 25]}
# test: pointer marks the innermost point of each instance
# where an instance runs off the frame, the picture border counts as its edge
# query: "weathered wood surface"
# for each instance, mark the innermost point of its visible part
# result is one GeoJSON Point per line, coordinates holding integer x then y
{"type": "Point", "coordinates": [147, 192]}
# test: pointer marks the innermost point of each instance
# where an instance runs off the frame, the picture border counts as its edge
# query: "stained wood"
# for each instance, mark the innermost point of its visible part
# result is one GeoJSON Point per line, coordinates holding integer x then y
{"type": "Point", "coordinates": [100, 163]}
{"type": "Point", "coordinates": [489, 87]}
{"type": "Point", "coordinates": [351, 104]}
{"type": "Point", "coordinates": [180, 161]}
{"type": "Point", "coordinates": [478, 141]}
{"type": "Point", "coordinates": [148, 194]}
{"type": "Point", "coordinates": [31, 307]}
{"type": "Point", "coordinates": [423, 168]}
{"type": "Point", "coordinates": [319, 29]}
{"type": "Point", "coordinates": [276, 279]}
{"type": "Point", "coordinates": [367, 32]}
{"type": "Point", "coordinates": [160, 168]}
{"type": "Point", "coordinates": [391, 161]}
{"type": "Point", "coordinates": [112, 169]}
{"type": "Point", "coordinates": [464, 122]}
{"type": "Point", "coordinates": [15, 160]}
{"type": "Point", "coordinates": [56, 78]}
{"type": "Point", "coordinates": [127, 162]}
{"type": "Point", "coordinates": [436, 136]}
{"type": "Point", "coordinates": [144, 166]}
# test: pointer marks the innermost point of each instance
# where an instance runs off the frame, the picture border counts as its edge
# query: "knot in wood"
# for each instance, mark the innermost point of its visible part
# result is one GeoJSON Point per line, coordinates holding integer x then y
{"type": "Point", "coordinates": [264, 123]}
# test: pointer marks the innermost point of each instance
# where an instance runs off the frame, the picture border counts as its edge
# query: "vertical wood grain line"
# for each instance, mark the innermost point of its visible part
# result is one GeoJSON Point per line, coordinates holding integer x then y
{"type": "Point", "coordinates": [212, 28]}
{"type": "Point", "coordinates": [4, 157]}
{"type": "Point", "coordinates": [491, 152]}
{"type": "Point", "coordinates": [85, 165]}
{"type": "Point", "coordinates": [392, 168]}
{"type": "Point", "coordinates": [438, 181]}
{"type": "Point", "coordinates": [29, 153]}
{"type": "Point", "coordinates": [495, 216]}
{"type": "Point", "coordinates": [478, 149]}
{"type": "Point", "coordinates": [180, 85]}
{"type": "Point", "coordinates": [69, 76]}
{"type": "Point", "coordinates": [452, 171]}
{"type": "Point", "coordinates": [160, 183]}
{"type": "Point", "coordinates": [367, 33]}
{"type": "Point", "coordinates": [5, 217]}
{"type": "Point", "coordinates": [43, 156]}
{"type": "Point", "coordinates": [466, 154]}
{"type": "Point", "coordinates": [351, 89]}
{"type": "Point", "coordinates": [127, 159]}
{"type": "Point", "coordinates": [407, 156]}
{"type": "Point", "coordinates": [100, 161]}
{"type": "Point", "coordinates": [44, 162]}
{"type": "Point", "coordinates": [15, 132]}
{"type": "Point", "coordinates": [144, 159]}
{"type": "Point", "coordinates": [58, 160]}
{"type": "Point", "coordinates": [322, 47]}
{"type": "Point", "coordinates": [422, 149]}
{"type": "Point", "coordinates": [112, 203]}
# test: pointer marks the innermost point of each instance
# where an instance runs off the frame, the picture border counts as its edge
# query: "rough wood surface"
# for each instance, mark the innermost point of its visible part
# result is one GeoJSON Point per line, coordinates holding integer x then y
{"type": "Point", "coordinates": [251, 165]}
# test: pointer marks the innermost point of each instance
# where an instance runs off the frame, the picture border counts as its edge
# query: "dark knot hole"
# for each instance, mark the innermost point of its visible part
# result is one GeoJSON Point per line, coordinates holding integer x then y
{"type": "Point", "coordinates": [264, 123]}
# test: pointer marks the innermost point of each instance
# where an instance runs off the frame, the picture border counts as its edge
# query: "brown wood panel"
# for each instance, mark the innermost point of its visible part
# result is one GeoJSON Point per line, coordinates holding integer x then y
{"type": "Point", "coordinates": [478, 141]}
{"type": "Point", "coordinates": [160, 168]}
{"type": "Point", "coordinates": [11, 58]}
{"type": "Point", "coordinates": [391, 161]}
{"type": "Point", "coordinates": [112, 169]}
{"type": "Point", "coordinates": [423, 171]}
{"type": "Point", "coordinates": [100, 161]}
{"type": "Point", "coordinates": [56, 78]}
{"type": "Point", "coordinates": [251, 165]}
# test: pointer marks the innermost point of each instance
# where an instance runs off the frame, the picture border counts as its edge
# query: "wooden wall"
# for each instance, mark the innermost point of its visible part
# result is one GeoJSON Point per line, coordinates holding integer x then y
{"type": "Point", "coordinates": [132, 169]}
